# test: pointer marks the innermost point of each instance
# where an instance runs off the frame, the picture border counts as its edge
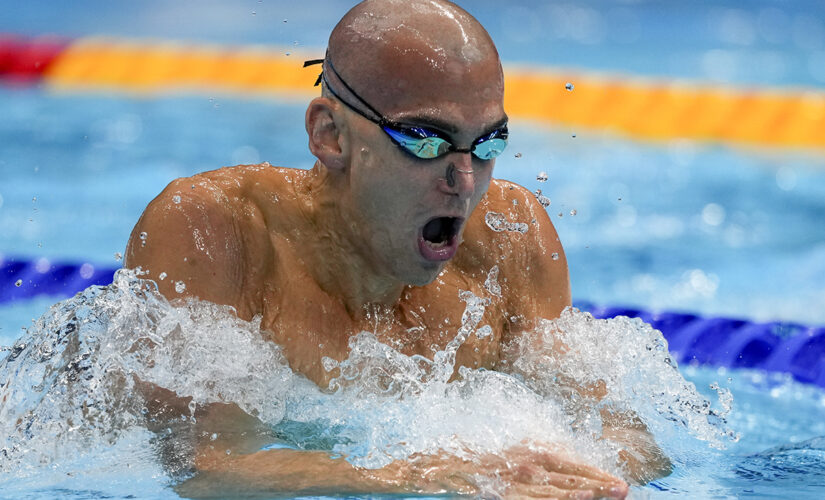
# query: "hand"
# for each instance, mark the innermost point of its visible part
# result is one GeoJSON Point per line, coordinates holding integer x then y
{"type": "Point", "coordinates": [521, 472]}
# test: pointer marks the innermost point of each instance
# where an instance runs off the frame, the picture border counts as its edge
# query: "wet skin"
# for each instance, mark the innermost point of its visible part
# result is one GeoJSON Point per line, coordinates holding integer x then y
{"type": "Point", "coordinates": [326, 253]}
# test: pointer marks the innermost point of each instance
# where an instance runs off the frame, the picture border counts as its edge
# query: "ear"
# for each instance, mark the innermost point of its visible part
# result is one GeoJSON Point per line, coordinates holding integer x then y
{"type": "Point", "coordinates": [326, 140]}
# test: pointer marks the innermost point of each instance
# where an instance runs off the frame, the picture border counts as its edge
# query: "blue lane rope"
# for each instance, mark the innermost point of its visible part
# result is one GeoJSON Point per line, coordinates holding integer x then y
{"type": "Point", "coordinates": [735, 343]}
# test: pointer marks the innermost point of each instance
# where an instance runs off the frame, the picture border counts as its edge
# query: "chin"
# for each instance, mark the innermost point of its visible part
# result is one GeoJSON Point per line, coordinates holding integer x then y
{"type": "Point", "coordinates": [426, 274]}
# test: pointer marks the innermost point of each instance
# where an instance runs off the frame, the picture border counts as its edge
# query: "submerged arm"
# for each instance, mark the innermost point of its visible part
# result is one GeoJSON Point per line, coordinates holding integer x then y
{"type": "Point", "coordinates": [229, 461]}
{"type": "Point", "coordinates": [544, 274]}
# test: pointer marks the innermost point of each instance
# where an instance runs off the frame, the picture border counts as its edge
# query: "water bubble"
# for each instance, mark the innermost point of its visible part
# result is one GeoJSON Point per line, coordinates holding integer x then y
{"type": "Point", "coordinates": [285, 20]}
{"type": "Point", "coordinates": [18, 283]}
{"type": "Point", "coordinates": [176, 199]}
{"type": "Point", "coordinates": [118, 256]}
{"type": "Point", "coordinates": [555, 256]}
{"type": "Point", "coordinates": [542, 177]}
{"type": "Point", "coordinates": [213, 437]}
{"type": "Point", "coordinates": [34, 199]}
{"type": "Point", "coordinates": [286, 53]}
{"type": "Point", "coordinates": [713, 214]}
{"type": "Point", "coordinates": [569, 86]}
{"type": "Point", "coordinates": [228, 451]}
{"type": "Point", "coordinates": [515, 203]}
{"type": "Point", "coordinates": [518, 155]}
{"type": "Point", "coordinates": [574, 212]}
{"type": "Point", "coordinates": [143, 236]}
{"type": "Point", "coordinates": [86, 271]}
{"type": "Point", "coordinates": [180, 286]}
{"type": "Point", "coordinates": [162, 276]}
{"type": "Point", "coordinates": [254, 13]}
{"type": "Point", "coordinates": [574, 136]}
{"type": "Point", "coordinates": [561, 214]}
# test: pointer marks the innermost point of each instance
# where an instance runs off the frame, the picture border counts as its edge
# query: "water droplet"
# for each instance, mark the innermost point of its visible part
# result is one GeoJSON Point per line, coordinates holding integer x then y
{"type": "Point", "coordinates": [287, 53]}
{"type": "Point", "coordinates": [491, 283]}
{"type": "Point", "coordinates": [18, 283]}
{"type": "Point", "coordinates": [555, 256]}
{"type": "Point", "coordinates": [176, 199]}
{"type": "Point", "coordinates": [254, 13]}
{"type": "Point", "coordinates": [228, 452]}
{"type": "Point", "coordinates": [515, 203]}
{"type": "Point", "coordinates": [118, 256]}
{"type": "Point", "coordinates": [518, 155]}
{"type": "Point", "coordinates": [162, 276]}
{"type": "Point", "coordinates": [34, 199]}
{"type": "Point", "coordinates": [561, 214]}
{"type": "Point", "coordinates": [143, 236]}
{"type": "Point", "coordinates": [574, 136]}
{"type": "Point", "coordinates": [498, 223]}
{"type": "Point", "coordinates": [213, 437]}
{"type": "Point", "coordinates": [574, 212]}
{"type": "Point", "coordinates": [328, 363]}
{"type": "Point", "coordinates": [285, 20]}
{"type": "Point", "coordinates": [569, 86]}
{"type": "Point", "coordinates": [545, 201]}
{"type": "Point", "coordinates": [484, 332]}
{"type": "Point", "coordinates": [180, 286]}
{"type": "Point", "coordinates": [542, 177]}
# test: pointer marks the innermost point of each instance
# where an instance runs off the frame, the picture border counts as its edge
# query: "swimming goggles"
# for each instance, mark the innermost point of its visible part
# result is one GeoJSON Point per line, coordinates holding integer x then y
{"type": "Point", "coordinates": [421, 142]}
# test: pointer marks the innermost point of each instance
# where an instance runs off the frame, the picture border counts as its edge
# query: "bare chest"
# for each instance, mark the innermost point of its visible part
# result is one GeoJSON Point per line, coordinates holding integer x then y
{"type": "Point", "coordinates": [453, 311]}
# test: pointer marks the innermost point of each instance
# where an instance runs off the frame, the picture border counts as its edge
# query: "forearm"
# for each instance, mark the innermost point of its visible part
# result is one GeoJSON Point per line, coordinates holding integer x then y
{"type": "Point", "coordinates": [287, 472]}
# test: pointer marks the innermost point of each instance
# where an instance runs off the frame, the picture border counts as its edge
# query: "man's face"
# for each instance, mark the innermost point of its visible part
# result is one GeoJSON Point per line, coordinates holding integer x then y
{"type": "Point", "coordinates": [408, 216]}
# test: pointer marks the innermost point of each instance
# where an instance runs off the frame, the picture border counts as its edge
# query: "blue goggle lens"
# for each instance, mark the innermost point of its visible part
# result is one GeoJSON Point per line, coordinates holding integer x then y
{"type": "Point", "coordinates": [427, 145]}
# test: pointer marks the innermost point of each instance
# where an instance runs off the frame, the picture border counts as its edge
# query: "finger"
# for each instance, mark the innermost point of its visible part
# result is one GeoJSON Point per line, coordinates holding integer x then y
{"type": "Point", "coordinates": [592, 488]}
{"type": "Point", "coordinates": [555, 463]}
{"type": "Point", "coordinates": [571, 482]}
{"type": "Point", "coordinates": [546, 491]}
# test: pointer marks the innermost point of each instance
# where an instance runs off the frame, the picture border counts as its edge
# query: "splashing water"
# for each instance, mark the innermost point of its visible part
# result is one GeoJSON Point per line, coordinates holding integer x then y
{"type": "Point", "coordinates": [69, 405]}
{"type": "Point", "coordinates": [498, 223]}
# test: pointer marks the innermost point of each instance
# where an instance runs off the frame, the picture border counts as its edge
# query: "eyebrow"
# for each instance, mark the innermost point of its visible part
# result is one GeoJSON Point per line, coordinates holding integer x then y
{"type": "Point", "coordinates": [445, 126]}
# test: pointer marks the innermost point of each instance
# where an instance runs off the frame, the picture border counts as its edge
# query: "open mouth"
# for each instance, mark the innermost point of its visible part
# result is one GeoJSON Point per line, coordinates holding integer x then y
{"type": "Point", "coordinates": [439, 238]}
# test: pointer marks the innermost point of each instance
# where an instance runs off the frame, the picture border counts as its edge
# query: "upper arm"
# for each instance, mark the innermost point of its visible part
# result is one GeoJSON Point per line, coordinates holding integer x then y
{"type": "Point", "coordinates": [187, 242]}
{"type": "Point", "coordinates": [536, 268]}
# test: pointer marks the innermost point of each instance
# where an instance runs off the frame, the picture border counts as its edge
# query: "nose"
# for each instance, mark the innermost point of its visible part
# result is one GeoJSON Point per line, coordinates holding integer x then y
{"type": "Point", "coordinates": [460, 175]}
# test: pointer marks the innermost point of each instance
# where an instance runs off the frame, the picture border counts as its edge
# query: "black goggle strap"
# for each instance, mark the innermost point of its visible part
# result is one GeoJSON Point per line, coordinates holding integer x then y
{"type": "Point", "coordinates": [313, 62]}
{"type": "Point", "coordinates": [380, 120]}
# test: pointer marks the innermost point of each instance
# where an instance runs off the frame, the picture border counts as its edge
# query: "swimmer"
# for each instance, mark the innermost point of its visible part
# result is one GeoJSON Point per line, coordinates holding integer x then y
{"type": "Point", "coordinates": [389, 224]}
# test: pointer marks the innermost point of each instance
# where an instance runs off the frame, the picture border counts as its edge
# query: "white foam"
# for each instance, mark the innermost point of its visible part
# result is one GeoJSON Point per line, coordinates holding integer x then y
{"type": "Point", "coordinates": [69, 387]}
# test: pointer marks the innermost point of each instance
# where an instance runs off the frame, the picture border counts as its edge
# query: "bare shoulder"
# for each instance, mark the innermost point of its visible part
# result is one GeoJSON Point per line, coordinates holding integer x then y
{"type": "Point", "coordinates": [511, 229]}
{"type": "Point", "coordinates": [198, 235]}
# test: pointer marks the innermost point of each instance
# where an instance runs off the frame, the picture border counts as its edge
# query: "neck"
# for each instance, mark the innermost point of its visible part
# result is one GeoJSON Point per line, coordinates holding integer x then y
{"type": "Point", "coordinates": [339, 261]}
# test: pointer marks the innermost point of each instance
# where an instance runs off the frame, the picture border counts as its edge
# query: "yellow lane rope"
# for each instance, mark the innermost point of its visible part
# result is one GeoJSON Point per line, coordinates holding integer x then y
{"type": "Point", "coordinates": [634, 107]}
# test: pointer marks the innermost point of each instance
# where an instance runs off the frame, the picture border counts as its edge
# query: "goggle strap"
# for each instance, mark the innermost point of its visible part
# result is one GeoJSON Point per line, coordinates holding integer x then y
{"type": "Point", "coordinates": [312, 62]}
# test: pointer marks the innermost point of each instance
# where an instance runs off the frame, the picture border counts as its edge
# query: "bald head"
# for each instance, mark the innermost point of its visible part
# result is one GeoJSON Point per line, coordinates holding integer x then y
{"type": "Point", "coordinates": [396, 53]}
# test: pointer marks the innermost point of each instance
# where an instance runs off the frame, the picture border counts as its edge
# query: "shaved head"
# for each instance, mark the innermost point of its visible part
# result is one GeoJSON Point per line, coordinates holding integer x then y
{"type": "Point", "coordinates": [396, 53]}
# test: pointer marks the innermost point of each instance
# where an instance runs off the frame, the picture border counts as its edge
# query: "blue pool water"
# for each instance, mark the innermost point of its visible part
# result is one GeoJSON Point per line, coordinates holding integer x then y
{"type": "Point", "coordinates": [702, 227]}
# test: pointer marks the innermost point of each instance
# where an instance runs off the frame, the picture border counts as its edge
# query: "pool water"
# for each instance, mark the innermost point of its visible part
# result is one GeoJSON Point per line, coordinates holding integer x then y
{"type": "Point", "coordinates": [70, 427]}
{"type": "Point", "coordinates": [704, 227]}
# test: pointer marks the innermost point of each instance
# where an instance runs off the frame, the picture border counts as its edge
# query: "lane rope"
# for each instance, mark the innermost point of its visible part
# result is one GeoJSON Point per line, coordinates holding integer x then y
{"type": "Point", "coordinates": [692, 339]}
{"type": "Point", "coordinates": [645, 109]}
